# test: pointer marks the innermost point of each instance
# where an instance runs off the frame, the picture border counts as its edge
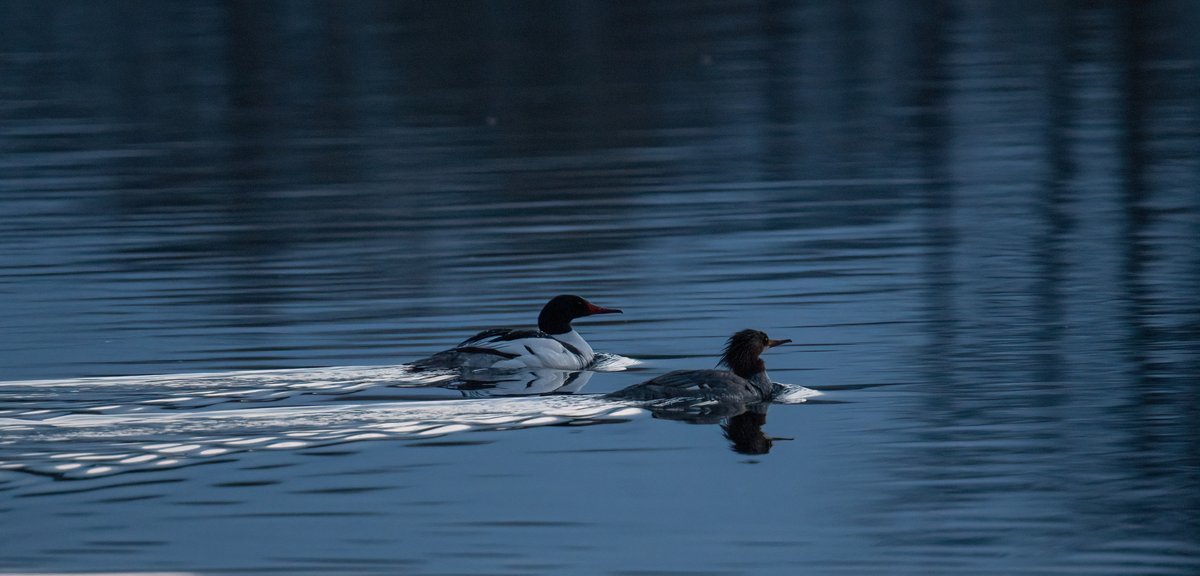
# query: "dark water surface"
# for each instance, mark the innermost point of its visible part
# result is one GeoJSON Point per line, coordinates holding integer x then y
{"type": "Point", "coordinates": [979, 223]}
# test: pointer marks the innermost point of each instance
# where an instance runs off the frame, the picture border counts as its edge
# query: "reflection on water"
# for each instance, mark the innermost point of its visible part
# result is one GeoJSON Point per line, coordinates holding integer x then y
{"type": "Point", "coordinates": [978, 223]}
{"type": "Point", "coordinates": [745, 432]}
{"type": "Point", "coordinates": [89, 445]}
{"type": "Point", "coordinates": [93, 427]}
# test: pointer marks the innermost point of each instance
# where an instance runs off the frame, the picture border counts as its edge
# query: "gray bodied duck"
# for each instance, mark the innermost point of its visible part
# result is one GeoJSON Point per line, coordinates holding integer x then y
{"type": "Point", "coordinates": [746, 382]}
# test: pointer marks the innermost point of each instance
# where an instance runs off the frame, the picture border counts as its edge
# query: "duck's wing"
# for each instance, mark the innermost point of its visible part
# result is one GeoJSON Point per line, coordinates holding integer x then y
{"type": "Point", "coordinates": [464, 357]}
{"type": "Point", "coordinates": [533, 343]}
{"type": "Point", "coordinates": [497, 337]}
{"type": "Point", "coordinates": [508, 348]}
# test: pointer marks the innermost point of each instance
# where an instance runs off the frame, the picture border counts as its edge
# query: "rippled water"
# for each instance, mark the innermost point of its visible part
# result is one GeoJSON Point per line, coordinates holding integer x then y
{"type": "Point", "coordinates": [225, 228]}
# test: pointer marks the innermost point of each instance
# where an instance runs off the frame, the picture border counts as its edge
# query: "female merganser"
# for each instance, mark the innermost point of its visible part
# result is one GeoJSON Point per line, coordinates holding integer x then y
{"type": "Point", "coordinates": [555, 344]}
{"type": "Point", "coordinates": [747, 383]}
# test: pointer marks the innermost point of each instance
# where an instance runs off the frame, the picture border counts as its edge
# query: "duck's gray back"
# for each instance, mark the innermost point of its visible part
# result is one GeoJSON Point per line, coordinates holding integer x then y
{"type": "Point", "coordinates": [700, 384]}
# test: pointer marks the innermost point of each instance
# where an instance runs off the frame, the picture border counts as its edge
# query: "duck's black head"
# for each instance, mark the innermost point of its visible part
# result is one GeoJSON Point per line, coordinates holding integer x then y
{"type": "Point", "coordinates": [558, 313]}
{"type": "Point", "coordinates": [743, 349]}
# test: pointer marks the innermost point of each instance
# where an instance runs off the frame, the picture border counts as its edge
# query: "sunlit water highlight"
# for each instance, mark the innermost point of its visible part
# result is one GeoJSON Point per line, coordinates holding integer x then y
{"type": "Point", "coordinates": [72, 429]}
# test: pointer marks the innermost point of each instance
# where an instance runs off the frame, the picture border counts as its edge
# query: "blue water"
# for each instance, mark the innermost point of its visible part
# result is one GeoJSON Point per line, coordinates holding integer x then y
{"type": "Point", "coordinates": [979, 223]}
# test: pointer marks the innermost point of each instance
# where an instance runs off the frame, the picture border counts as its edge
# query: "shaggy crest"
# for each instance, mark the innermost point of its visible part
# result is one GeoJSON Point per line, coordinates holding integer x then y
{"type": "Point", "coordinates": [742, 352]}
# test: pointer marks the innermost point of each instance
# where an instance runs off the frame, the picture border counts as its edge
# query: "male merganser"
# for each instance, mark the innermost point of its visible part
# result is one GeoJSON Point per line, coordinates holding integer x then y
{"type": "Point", "coordinates": [555, 344]}
{"type": "Point", "coordinates": [746, 383]}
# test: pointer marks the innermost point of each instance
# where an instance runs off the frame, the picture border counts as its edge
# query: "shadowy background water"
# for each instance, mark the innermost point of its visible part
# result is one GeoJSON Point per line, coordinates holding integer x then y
{"type": "Point", "coordinates": [978, 220]}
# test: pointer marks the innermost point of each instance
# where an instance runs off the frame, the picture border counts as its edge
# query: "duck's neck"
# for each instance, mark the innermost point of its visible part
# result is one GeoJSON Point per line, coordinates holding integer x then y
{"type": "Point", "coordinates": [554, 322]}
{"type": "Point", "coordinates": [753, 370]}
{"type": "Point", "coordinates": [763, 383]}
{"type": "Point", "coordinates": [576, 342]}
{"type": "Point", "coordinates": [746, 367]}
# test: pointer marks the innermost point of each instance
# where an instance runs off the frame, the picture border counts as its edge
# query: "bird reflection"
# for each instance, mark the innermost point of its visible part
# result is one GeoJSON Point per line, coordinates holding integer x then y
{"type": "Point", "coordinates": [492, 383]}
{"type": "Point", "coordinates": [741, 424]}
{"type": "Point", "coordinates": [745, 432]}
